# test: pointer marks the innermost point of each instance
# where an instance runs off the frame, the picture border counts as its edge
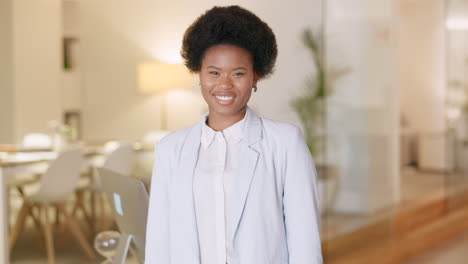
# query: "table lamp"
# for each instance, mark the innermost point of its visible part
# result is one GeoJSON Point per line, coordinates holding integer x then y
{"type": "Point", "coordinates": [156, 77]}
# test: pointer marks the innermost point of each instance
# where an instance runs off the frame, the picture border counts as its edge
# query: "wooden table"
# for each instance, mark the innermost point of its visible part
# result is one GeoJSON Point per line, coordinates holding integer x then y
{"type": "Point", "coordinates": [36, 162]}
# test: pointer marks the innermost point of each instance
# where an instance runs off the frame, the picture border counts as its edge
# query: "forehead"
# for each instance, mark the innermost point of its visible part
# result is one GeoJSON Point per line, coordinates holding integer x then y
{"type": "Point", "coordinates": [227, 56]}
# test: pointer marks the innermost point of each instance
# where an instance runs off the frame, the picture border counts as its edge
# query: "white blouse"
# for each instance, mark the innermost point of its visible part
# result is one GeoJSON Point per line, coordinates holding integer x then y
{"type": "Point", "coordinates": [215, 170]}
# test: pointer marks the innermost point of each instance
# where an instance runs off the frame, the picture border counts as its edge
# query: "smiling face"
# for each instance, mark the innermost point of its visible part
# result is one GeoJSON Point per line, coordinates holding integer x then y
{"type": "Point", "coordinates": [226, 79]}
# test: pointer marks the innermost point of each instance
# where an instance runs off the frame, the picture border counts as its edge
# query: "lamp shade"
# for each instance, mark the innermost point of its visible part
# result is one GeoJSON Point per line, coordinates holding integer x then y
{"type": "Point", "coordinates": [159, 77]}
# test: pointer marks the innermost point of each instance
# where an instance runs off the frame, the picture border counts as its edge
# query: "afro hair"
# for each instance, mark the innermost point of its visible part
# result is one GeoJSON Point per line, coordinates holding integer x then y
{"type": "Point", "coordinates": [231, 25]}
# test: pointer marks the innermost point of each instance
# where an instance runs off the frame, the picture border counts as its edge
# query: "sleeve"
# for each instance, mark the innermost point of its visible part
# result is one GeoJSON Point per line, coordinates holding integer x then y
{"type": "Point", "coordinates": [300, 204]}
{"type": "Point", "coordinates": [157, 226]}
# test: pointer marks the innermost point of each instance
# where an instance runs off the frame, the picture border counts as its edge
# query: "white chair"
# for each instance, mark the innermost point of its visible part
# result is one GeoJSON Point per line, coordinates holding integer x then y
{"type": "Point", "coordinates": [31, 142]}
{"type": "Point", "coordinates": [120, 160]}
{"type": "Point", "coordinates": [56, 185]}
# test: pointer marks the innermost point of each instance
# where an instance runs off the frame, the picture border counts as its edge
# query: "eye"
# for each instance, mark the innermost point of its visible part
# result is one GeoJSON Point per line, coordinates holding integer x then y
{"type": "Point", "coordinates": [214, 73]}
{"type": "Point", "coordinates": [239, 74]}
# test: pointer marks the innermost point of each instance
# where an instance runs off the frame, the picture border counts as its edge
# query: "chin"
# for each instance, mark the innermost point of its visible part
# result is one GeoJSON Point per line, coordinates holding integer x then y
{"type": "Point", "coordinates": [227, 110]}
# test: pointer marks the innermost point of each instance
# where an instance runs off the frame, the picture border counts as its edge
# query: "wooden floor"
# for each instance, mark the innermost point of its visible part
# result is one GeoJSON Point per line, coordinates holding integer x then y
{"type": "Point", "coordinates": [29, 250]}
{"type": "Point", "coordinates": [403, 232]}
{"type": "Point", "coordinates": [452, 252]}
{"type": "Point", "coordinates": [415, 186]}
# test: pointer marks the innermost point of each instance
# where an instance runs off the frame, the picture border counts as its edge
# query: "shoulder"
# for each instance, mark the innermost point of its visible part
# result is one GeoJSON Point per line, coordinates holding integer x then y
{"type": "Point", "coordinates": [287, 140]}
{"type": "Point", "coordinates": [280, 130]}
{"type": "Point", "coordinates": [283, 137]}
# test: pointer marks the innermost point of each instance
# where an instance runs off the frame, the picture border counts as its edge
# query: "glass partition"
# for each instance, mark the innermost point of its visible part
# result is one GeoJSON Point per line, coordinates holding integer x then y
{"type": "Point", "coordinates": [457, 99]}
{"type": "Point", "coordinates": [362, 116]}
{"type": "Point", "coordinates": [396, 133]}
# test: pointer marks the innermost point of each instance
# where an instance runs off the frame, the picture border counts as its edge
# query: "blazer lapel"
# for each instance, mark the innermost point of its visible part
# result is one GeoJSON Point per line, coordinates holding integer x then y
{"type": "Point", "coordinates": [183, 194]}
{"type": "Point", "coordinates": [249, 154]}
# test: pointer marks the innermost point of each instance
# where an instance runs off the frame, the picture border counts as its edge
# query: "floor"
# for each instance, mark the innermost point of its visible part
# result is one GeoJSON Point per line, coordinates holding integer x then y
{"type": "Point", "coordinates": [414, 185]}
{"type": "Point", "coordinates": [29, 249]}
{"type": "Point", "coordinates": [454, 251]}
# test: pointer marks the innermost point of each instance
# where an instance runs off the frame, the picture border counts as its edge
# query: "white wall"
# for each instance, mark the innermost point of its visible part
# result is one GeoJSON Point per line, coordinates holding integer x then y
{"type": "Point", "coordinates": [30, 67]}
{"type": "Point", "coordinates": [422, 49]}
{"type": "Point", "coordinates": [37, 64]}
{"type": "Point", "coordinates": [117, 35]}
{"type": "Point", "coordinates": [422, 77]}
{"type": "Point", "coordinates": [6, 74]}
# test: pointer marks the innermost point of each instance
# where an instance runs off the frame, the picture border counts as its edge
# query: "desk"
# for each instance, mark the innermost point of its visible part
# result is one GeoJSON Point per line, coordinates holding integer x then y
{"type": "Point", "coordinates": [19, 162]}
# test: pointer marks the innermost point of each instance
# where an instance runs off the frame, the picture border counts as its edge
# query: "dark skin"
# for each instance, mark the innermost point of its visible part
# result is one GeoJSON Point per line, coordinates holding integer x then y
{"type": "Point", "coordinates": [226, 78]}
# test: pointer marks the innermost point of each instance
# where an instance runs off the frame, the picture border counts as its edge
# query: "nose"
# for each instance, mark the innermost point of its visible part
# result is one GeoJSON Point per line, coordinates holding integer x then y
{"type": "Point", "coordinates": [225, 83]}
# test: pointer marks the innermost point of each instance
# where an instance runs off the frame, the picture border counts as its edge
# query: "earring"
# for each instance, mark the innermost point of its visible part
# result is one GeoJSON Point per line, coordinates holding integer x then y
{"type": "Point", "coordinates": [255, 89]}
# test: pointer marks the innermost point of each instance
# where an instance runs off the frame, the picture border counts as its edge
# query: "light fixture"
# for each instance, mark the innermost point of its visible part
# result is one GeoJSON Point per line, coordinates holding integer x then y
{"type": "Point", "coordinates": [159, 78]}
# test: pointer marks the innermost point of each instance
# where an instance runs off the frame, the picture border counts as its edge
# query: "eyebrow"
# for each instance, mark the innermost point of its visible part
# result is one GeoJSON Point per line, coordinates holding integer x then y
{"type": "Point", "coordinates": [237, 68]}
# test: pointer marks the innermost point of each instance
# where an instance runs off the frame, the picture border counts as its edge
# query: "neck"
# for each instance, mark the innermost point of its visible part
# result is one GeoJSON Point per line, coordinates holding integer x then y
{"type": "Point", "coordinates": [219, 122]}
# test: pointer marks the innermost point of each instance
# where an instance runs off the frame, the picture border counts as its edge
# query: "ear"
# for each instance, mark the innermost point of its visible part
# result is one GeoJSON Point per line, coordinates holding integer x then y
{"type": "Point", "coordinates": [255, 79]}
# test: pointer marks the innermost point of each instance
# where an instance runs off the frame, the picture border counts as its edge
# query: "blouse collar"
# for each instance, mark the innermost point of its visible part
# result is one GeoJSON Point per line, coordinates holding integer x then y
{"type": "Point", "coordinates": [233, 133]}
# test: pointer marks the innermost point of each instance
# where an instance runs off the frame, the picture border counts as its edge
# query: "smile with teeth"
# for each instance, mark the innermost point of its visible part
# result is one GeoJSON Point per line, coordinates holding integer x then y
{"type": "Point", "coordinates": [225, 98]}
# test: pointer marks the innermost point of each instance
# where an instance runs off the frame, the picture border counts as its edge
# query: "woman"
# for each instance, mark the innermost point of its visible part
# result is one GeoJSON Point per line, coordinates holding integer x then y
{"type": "Point", "coordinates": [234, 188]}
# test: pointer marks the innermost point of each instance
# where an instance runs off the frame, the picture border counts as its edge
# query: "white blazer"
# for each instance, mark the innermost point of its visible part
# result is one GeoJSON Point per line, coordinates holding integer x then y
{"type": "Point", "coordinates": [277, 212]}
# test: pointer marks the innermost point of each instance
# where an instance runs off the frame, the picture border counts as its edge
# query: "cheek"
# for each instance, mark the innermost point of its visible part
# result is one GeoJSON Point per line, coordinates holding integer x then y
{"type": "Point", "coordinates": [206, 84]}
{"type": "Point", "coordinates": [246, 86]}
{"type": "Point", "coordinates": [205, 92]}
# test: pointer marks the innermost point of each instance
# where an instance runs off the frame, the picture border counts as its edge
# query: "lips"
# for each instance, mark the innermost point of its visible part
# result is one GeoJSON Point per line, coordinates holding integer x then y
{"type": "Point", "coordinates": [224, 98]}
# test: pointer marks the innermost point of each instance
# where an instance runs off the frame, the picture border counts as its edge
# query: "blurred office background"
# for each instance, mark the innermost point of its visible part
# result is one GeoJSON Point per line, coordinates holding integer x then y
{"type": "Point", "coordinates": [388, 127]}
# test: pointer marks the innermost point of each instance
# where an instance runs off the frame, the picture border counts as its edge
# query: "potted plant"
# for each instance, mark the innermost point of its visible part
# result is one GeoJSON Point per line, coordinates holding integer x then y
{"type": "Point", "coordinates": [62, 135]}
{"type": "Point", "coordinates": [310, 108]}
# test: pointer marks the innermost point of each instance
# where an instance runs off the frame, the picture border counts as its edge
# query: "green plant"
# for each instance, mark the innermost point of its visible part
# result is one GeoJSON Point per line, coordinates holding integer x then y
{"type": "Point", "coordinates": [66, 131]}
{"type": "Point", "coordinates": [318, 86]}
